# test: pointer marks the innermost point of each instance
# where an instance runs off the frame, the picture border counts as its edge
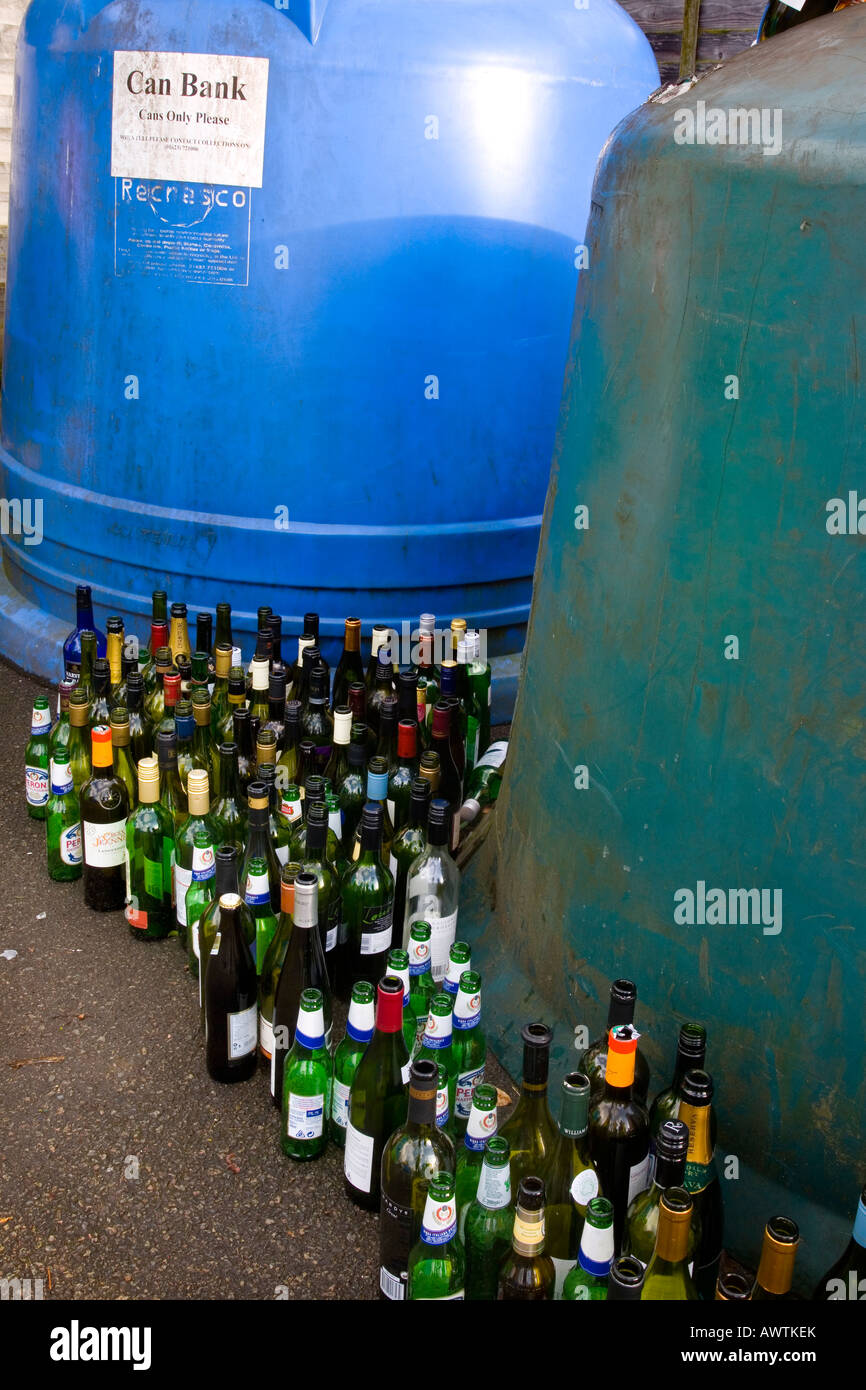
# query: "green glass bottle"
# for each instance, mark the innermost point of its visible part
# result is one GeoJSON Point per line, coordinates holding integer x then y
{"type": "Point", "coordinates": [184, 727]}
{"type": "Point", "coordinates": [619, 1130]}
{"type": "Point", "coordinates": [307, 1079]}
{"type": "Point", "coordinates": [350, 666]}
{"type": "Point", "coordinates": [625, 1281]}
{"type": "Point", "coordinates": [303, 968]}
{"type": "Point", "coordinates": [846, 1279]}
{"type": "Point", "coordinates": [229, 811]}
{"type": "Point", "coordinates": [480, 697]}
{"type": "Point", "coordinates": [352, 795]}
{"type": "Point", "coordinates": [530, 1128]}
{"type": "Point", "coordinates": [225, 882]}
{"type": "Point", "coordinates": [224, 625]}
{"type": "Point", "coordinates": [527, 1272]}
{"type": "Point", "coordinates": [315, 861]}
{"type": "Point", "coordinates": [140, 740]}
{"type": "Point", "coordinates": [588, 1279]}
{"type": "Point", "coordinates": [36, 760]}
{"type": "Point", "coordinates": [100, 707]}
{"type": "Point", "coordinates": [397, 964]}
{"type": "Point", "coordinates": [437, 1262]}
{"type": "Point", "coordinates": [359, 1032]}
{"type": "Point", "coordinates": [260, 871]}
{"type": "Point", "coordinates": [120, 742]}
{"type": "Point", "coordinates": [260, 671]}
{"type": "Point", "coordinates": [287, 762]}
{"type": "Point", "coordinates": [570, 1177]}
{"type": "Point", "coordinates": [63, 823]}
{"type": "Point", "coordinates": [667, 1275]}
{"type": "Point", "coordinates": [149, 827]}
{"type": "Point", "coordinates": [79, 739]}
{"type": "Point", "coordinates": [220, 697]}
{"type": "Point", "coordinates": [154, 700]}
{"type": "Point", "coordinates": [230, 1009]}
{"type": "Point", "coordinates": [236, 698]}
{"type": "Point", "coordinates": [59, 736]}
{"type": "Point", "coordinates": [273, 963]}
{"type": "Point", "coordinates": [368, 902]}
{"type": "Point", "coordinates": [377, 791]}
{"type": "Point", "coordinates": [317, 722]}
{"type": "Point", "coordinates": [444, 1118]}
{"type": "Point", "coordinates": [488, 1224]}
{"type": "Point", "coordinates": [158, 636]}
{"type": "Point", "coordinates": [702, 1179]}
{"type": "Point", "coordinates": [469, 1046]}
{"type": "Point", "coordinates": [172, 792]}
{"type": "Point", "coordinates": [422, 986]}
{"type": "Point", "coordinates": [406, 847]}
{"type": "Point", "coordinates": [482, 786]}
{"type": "Point", "coordinates": [204, 754]}
{"type": "Point", "coordinates": [459, 959]}
{"type": "Point", "coordinates": [437, 1043]}
{"type": "Point", "coordinates": [470, 1153]}
{"type": "Point", "coordinates": [386, 739]}
{"type": "Point", "coordinates": [415, 1155]}
{"type": "Point", "coordinates": [200, 893]}
{"type": "Point", "coordinates": [642, 1218]}
{"type": "Point", "coordinates": [278, 828]}
{"type": "Point", "coordinates": [88, 660]}
{"type": "Point", "coordinates": [691, 1053]}
{"type": "Point", "coordinates": [378, 1100]}
{"type": "Point", "coordinates": [184, 843]}
{"type": "Point", "coordinates": [337, 766]}
{"type": "Point", "coordinates": [405, 770]}
{"type": "Point", "coordinates": [623, 998]}
{"type": "Point", "coordinates": [778, 1253]}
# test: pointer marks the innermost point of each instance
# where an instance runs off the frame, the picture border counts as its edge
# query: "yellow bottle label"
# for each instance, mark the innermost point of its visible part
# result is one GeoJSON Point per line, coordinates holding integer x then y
{"type": "Point", "coordinates": [528, 1232]}
{"type": "Point", "coordinates": [699, 1160]}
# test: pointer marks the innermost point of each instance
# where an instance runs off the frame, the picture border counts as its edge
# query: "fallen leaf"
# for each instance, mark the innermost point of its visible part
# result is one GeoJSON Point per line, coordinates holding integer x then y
{"type": "Point", "coordinates": [230, 1163]}
{"type": "Point", "coordinates": [502, 1097]}
{"type": "Point", "coordinates": [31, 1061]}
{"type": "Point", "coordinates": [48, 1272]}
{"type": "Point", "coordinates": [4, 1219]}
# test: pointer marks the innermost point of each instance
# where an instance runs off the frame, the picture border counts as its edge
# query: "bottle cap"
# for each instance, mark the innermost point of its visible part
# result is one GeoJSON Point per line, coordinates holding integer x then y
{"type": "Point", "coordinates": [407, 739]}
{"type": "Point", "coordinates": [342, 725]}
{"type": "Point", "coordinates": [306, 909]}
{"type": "Point", "coordinates": [441, 720]}
{"type": "Point", "coordinates": [197, 786]}
{"type": "Point", "coordinates": [389, 1005]}
{"type": "Point", "coordinates": [148, 780]}
{"type": "Point", "coordinates": [101, 755]}
{"type": "Point", "coordinates": [166, 748]}
{"type": "Point", "coordinates": [776, 1269]}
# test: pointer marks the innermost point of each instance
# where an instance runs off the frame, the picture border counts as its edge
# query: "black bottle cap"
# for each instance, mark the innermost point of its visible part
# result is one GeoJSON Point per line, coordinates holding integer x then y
{"type": "Point", "coordinates": [277, 685]}
{"type": "Point", "coordinates": [696, 1087]}
{"type": "Point", "coordinates": [388, 709]}
{"type": "Point", "coordinates": [178, 610]}
{"type": "Point", "coordinates": [317, 826]}
{"type": "Point", "coordinates": [166, 748]}
{"type": "Point", "coordinates": [82, 593]}
{"type": "Point", "coordinates": [318, 685]}
{"type": "Point", "coordinates": [419, 797]}
{"type": "Point", "coordinates": [623, 997]}
{"type": "Point", "coordinates": [311, 655]}
{"type": "Point", "coordinates": [531, 1194]}
{"type": "Point", "coordinates": [438, 821]}
{"type": "Point", "coordinates": [672, 1140]}
{"type": "Point", "coordinates": [114, 625]}
{"type": "Point", "coordinates": [537, 1038]}
{"type": "Point", "coordinates": [384, 671]}
{"type": "Point", "coordinates": [625, 1280]}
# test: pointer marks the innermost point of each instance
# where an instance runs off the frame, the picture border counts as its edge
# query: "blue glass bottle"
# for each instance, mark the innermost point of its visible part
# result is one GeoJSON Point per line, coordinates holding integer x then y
{"type": "Point", "coordinates": [83, 623]}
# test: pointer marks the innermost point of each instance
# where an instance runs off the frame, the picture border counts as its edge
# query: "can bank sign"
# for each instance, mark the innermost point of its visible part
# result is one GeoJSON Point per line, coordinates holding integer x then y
{"type": "Point", "coordinates": [187, 149]}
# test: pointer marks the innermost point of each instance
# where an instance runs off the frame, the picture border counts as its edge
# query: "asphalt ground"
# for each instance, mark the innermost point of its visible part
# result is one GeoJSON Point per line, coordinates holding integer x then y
{"type": "Point", "coordinates": [125, 1171]}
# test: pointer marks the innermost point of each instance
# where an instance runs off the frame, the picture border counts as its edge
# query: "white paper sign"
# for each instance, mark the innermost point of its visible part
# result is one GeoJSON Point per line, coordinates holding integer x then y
{"type": "Point", "coordinates": [194, 117]}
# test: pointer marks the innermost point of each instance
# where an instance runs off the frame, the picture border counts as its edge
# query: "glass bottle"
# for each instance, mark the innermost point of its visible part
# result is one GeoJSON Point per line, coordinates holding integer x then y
{"type": "Point", "coordinates": [220, 697]}
{"type": "Point", "coordinates": [405, 770]}
{"type": "Point", "coordinates": [527, 1273]}
{"type": "Point", "coordinates": [36, 760]}
{"type": "Point", "coordinates": [307, 1081]}
{"type": "Point", "coordinates": [120, 742]}
{"type": "Point", "coordinates": [273, 963]}
{"type": "Point", "coordinates": [260, 871]}
{"type": "Point", "coordinates": [199, 894]}
{"type": "Point", "coordinates": [303, 968]}
{"type": "Point", "coordinates": [229, 812]}
{"type": "Point", "coordinates": [353, 796]}
{"type": "Point", "coordinates": [378, 1101]}
{"type": "Point", "coordinates": [469, 1046]}
{"type": "Point", "coordinates": [243, 737]}
{"type": "Point", "coordinates": [178, 637]}
{"type": "Point", "coordinates": [437, 1262]}
{"type": "Point", "coordinates": [184, 843]}
{"type": "Point", "coordinates": [350, 667]}
{"type": "Point", "coordinates": [397, 964]}
{"type": "Point", "coordinates": [79, 739]}
{"type": "Point", "coordinates": [623, 997]}
{"type": "Point", "coordinates": [846, 1279]}
{"type": "Point", "coordinates": [422, 986]}
{"type": "Point", "coordinates": [379, 639]}
{"type": "Point", "coordinates": [408, 711]}
{"type": "Point", "coordinates": [225, 881]}
{"type": "Point", "coordinates": [619, 1130]}
{"type": "Point", "coordinates": [437, 1045]}
{"type": "Point", "coordinates": [433, 888]}
{"type": "Point", "coordinates": [642, 1218]}
{"type": "Point", "coordinates": [114, 651]}
{"type": "Point", "coordinates": [470, 1153]}
{"type": "Point", "coordinates": [483, 783]}
{"type": "Point", "coordinates": [63, 822]}
{"type": "Point", "coordinates": [88, 661]}
{"type": "Point", "coordinates": [368, 903]}
{"type": "Point", "coordinates": [450, 786]}
{"type": "Point", "coordinates": [569, 1177]}
{"type": "Point", "coordinates": [702, 1179]}
{"type": "Point", "coordinates": [148, 830]}
{"type": "Point", "coordinates": [667, 1275]}
{"type": "Point", "coordinates": [406, 847]}
{"type": "Point", "coordinates": [236, 696]}
{"type": "Point", "coordinates": [588, 1279]}
{"type": "Point", "coordinates": [337, 767]}
{"type": "Point", "coordinates": [140, 737]}
{"type": "Point", "coordinates": [83, 623]}
{"type": "Point", "coordinates": [733, 1287]}
{"type": "Point", "coordinates": [530, 1128]}
{"type": "Point", "coordinates": [625, 1281]}
{"type": "Point", "coordinates": [59, 736]}
{"type": "Point", "coordinates": [104, 808]}
{"type": "Point", "coordinates": [778, 1253]}
{"type": "Point", "coordinates": [230, 998]}
{"type": "Point", "coordinates": [459, 959]}
{"type": "Point", "coordinates": [488, 1223]}
{"type": "Point", "coordinates": [204, 754]}
{"type": "Point", "coordinates": [691, 1053]}
{"type": "Point", "coordinates": [347, 1058]}
{"type": "Point", "coordinates": [100, 708]}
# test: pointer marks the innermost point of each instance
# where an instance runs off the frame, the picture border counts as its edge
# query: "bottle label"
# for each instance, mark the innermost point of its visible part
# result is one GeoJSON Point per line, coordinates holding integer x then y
{"type": "Point", "coordinates": [292, 810]}
{"type": "Point", "coordinates": [390, 804]}
{"type": "Point", "coordinates": [257, 892]}
{"type": "Point", "coordinates": [306, 1116]}
{"type": "Point", "coordinates": [437, 1034]}
{"type": "Point", "coordinates": [358, 1158]}
{"type": "Point", "coordinates": [494, 1187]}
{"type": "Point", "coordinates": [242, 1032]}
{"type": "Point", "coordinates": [442, 930]}
{"type": "Point", "coordinates": [70, 844]}
{"type": "Point", "coordinates": [335, 821]}
{"type": "Point", "coordinates": [331, 939]}
{"type": "Point", "coordinates": [596, 1250]}
{"type": "Point", "coordinates": [135, 917]}
{"type": "Point", "coordinates": [40, 720]}
{"type": "Point", "coordinates": [193, 936]}
{"type": "Point", "coordinates": [638, 1179]}
{"type": "Point", "coordinates": [466, 1083]}
{"type": "Point", "coordinates": [584, 1187]}
{"type": "Point", "coordinates": [495, 754]}
{"type": "Point", "coordinates": [282, 853]}
{"type": "Point", "coordinates": [467, 1010]}
{"type": "Point", "coordinates": [529, 1234]}
{"type": "Point", "coordinates": [182, 880]}
{"type": "Point", "coordinates": [376, 936]}
{"type": "Point", "coordinates": [340, 1103]}
{"type": "Point", "coordinates": [393, 866]}
{"type": "Point", "coordinates": [36, 782]}
{"type": "Point", "coordinates": [482, 1123]}
{"type": "Point", "coordinates": [153, 877]}
{"type": "Point", "coordinates": [419, 957]}
{"type": "Point", "coordinates": [700, 1168]}
{"type": "Point", "coordinates": [563, 1268]}
{"type": "Point", "coordinates": [203, 864]}
{"type": "Point", "coordinates": [60, 778]}
{"type": "Point", "coordinates": [443, 1111]}
{"type": "Point", "coordinates": [445, 1298]}
{"type": "Point", "coordinates": [440, 1221]}
{"type": "Point", "coordinates": [421, 709]}
{"type": "Point", "coordinates": [266, 1037]}
{"type": "Point", "coordinates": [391, 1285]}
{"type": "Point", "coordinates": [104, 845]}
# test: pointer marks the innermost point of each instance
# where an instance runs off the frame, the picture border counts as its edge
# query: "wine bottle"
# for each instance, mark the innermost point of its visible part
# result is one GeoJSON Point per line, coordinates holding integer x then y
{"type": "Point", "coordinates": [140, 737]}
{"type": "Point", "coordinates": [483, 783]}
{"type": "Point", "coordinates": [59, 736]}
{"type": "Point", "coordinates": [433, 888]}
{"type": "Point", "coordinates": [470, 1154]}
{"type": "Point", "coordinates": [778, 1253]}
{"type": "Point", "coordinates": [184, 726]}
{"type": "Point", "coordinates": [88, 661]}
{"type": "Point", "coordinates": [437, 1043]}
{"type": "Point", "coordinates": [378, 643]}
{"type": "Point", "coordinates": [172, 793]}
{"type": "Point", "coordinates": [378, 1100]}
{"type": "Point", "coordinates": [63, 822]}
{"type": "Point", "coordinates": [296, 670]}
{"type": "Point", "coordinates": [260, 871]}
{"type": "Point", "coordinates": [316, 862]}
{"type": "Point", "coordinates": [530, 1129]}
{"type": "Point", "coordinates": [386, 740]}
{"type": "Point", "coordinates": [317, 722]}
{"type": "Point", "coordinates": [36, 760]}
{"type": "Point", "coordinates": [230, 999]}
{"type": "Point", "coordinates": [619, 1129]}
{"type": "Point", "coordinates": [307, 1081]}
{"type": "Point", "coordinates": [220, 696]}
{"type": "Point", "coordinates": [400, 780]}
{"type": "Point", "coordinates": [377, 792]}
{"type": "Point", "coordinates": [224, 625]}
{"type": "Point", "coordinates": [100, 708]}
{"type": "Point", "coordinates": [469, 1046]}
{"type": "Point", "coordinates": [459, 959]}
{"type": "Point", "coordinates": [204, 754]}
{"type": "Point", "coordinates": [437, 1262]}
{"type": "Point", "coordinates": [397, 965]}
{"type": "Point", "coordinates": [368, 903]}
{"type": "Point", "coordinates": [242, 735]}
{"type": "Point", "coordinates": [733, 1287]}
{"type": "Point", "coordinates": [184, 843]}
{"type": "Point", "coordinates": [426, 671]}
{"type": "Point", "coordinates": [104, 809]}
{"type": "Point", "coordinates": [350, 667]}
{"type": "Point", "coordinates": [128, 667]}
{"type": "Point", "coordinates": [406, 847]}
{"type": "Point", "coordinates": [642, 1218]}
{"type": "Point", "coordinates": [588, 1279]}
{"type": "Point", "coordinates": [114, 650]}
{"type": "Point", "coordinates": [623, 997]}
{"type": "Point", "coordinates": [450, 786]}
{"type": "Point", "coordinates": [527, 1272]}
{"type": "Point", "coordinates": [261, 671]}
{"type": "Point", "coordinates": [416, 1154]}
{"type": "Point", "coordinates": [83, 623]}
{"type": "Point", "coordinates": [120, 742]}
{"type": "Point", "coordinates": [287, 762]}
{"type": "Point", "coordinates": [303, 968]}
{"type": "Point", "coordinates": [667, 1274]}
{"type": "Point", "coordinates": [158, 638]}
{"type": "Point", "coordinates": [691, 1053]}
{"type": "Point", "coordinates": [225, 882]}
{"type": "Point", "coordinates": [625, 1281]}
{"type": "Point", "coordinates": [178, 637]}
{"type": "Point", "coordinates": [353, 796]}
{"type": "Point", "coordinates": [199, 894]}
{"type": "Point", "coordinates": [347, 1058]}
{"type": "Point", "coordinates": [154, 702]}
{"type": "Point", "coordinates": [383, 690]}
{"type": "Point", "coordinates": [337, 766]}
{"type": "Point", "coordinates": [570, 1177]}
{"type": "Point", "coordinates": [235, 700]}
{"type": "Point", "coordinates": [488, 1224]}
{"type": "Point", "coordinates": [148, 830]}
{"type": "Point", "coordinates": [701, 1179]}
{"type": "Point", "coordinates": [229, 812]}
{"type": "Point", "coordinates": [275, 623]}
{"type": "Point", "coordinates": [273, 963]}
{"type": "Point", "coordinates": [846, 1279]}
{"type": "Point", "coordinates": [479, 699]}
{"type": "Point", "coordinates": [422, 986]}
{"type": "Point", "coordinates": [457, 726]}
{"type": "Point", "coordinates": [408, 708]}
{"type": "Point", "coordinates": [79, 739]}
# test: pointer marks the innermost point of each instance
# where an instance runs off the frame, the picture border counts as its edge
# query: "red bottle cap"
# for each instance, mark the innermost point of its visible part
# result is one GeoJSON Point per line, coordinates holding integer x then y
{"type": "Point", "coordinates": [171, 688]}
{"type": "Point", "coordinates": [441, 720]}
{"type": "Point", "coordinates": [389, 1005]}
{"type": "Point", "coordinates": [102, 755]}
{"type": "Point", "coordinates": [407, 738]}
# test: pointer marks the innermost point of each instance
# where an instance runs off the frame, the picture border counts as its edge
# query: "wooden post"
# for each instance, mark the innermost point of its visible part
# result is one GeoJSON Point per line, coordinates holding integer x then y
{"type": "Point", "coordinates": [689, 50]}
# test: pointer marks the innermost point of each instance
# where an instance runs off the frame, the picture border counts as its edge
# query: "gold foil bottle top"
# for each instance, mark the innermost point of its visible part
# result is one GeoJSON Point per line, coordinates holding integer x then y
{"type": "Point", "coordinates": [79, 709]}
{"type": "Point", "coordinates": [201, 706]}
{"type": "Point", "coordinates": [675, 1219]}
{"type": "Point", "coordinates": [352, 639]}
{"type": "Point", "coordinates": [776, 1270]}
{"type": "Point", "coordinates": [197, 790]}
{"type": "Point", "coordinates": [119, 720]}
{"type": "Point", "coordinates": [266, 746]}
{"type": "Point", "coordinates": [148, 780]}
{"type": "Point", "coordinates": [223, 660]}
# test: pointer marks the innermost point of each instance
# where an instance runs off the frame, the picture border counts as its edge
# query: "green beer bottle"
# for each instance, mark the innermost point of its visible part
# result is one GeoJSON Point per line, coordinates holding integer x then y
{"type": "Point", "coordinates": [307, 1078]}
{"type": "Point", "coordinates": [436, 1044]}
{"type": "Point", "coordinates": [422, 986]}
{"type": "Point", "coordinates": [63, 822]}
{"type": "Point", "coordinates": [184, 842]}
{"type": "Point", "coordinates": [459, 959]}
{"type": "Point", "coordinates": [359, 1032]}
{"type": "Point", "coordinates": [470, 1155]}
{"type": "Point", "coordinates": [273, 963]}
{"type": "Point", "coordinates": [397, 964]}
{"type": "Point", "coordinates": [200, 892]}
{"type": "Point", "coordinates": [260, 873]}
{"type": "Point", "coordinates": [59, 736]}
{"type": "Point", "coordinates": [437, 1262]}
{"type": "Point", "coordinates": [378, 1100]}
{"type": "Point", "coordinates": [489, 1221]}
{"type": "Point", "coordinates": [149, 829]}
{"type": "Point", "coordinates": [588, 1279]}
{"type": "Point", "coordinates": [36, 758]}
{"type": "Point", "coordinates": [469, 1046]}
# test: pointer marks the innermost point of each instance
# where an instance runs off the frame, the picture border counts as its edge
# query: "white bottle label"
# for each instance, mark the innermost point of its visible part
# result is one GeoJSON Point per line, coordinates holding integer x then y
{"type": "Point", "coordinates": [40, 719]}
{"type": "Point", "coordinates": [638, 1178]}
{"type": "Point", "coordinates": [203, 863]}
{"type": "Point", "coordinates": [306, 1116]}
{"type": "Point", "coordinates": [442, 1111]}
{"type": "Point", "coordinates": [242, 1032]}
{"type": "Point", "coordinates": [182, 880]}
{"type": "Point", "coordinates": [467, 1009]}
{"type": "Point", "coordinates": [36, 781]}
{"type": "Point", "coordinates": [494, 1187]}
{"type": "Point", "coordinates": [330, 940]}
{"type": "Point", "coordinates": [495, 754]}
{"type": "Point", "coordinates": [335, 822]}
{"type": "Point", "coordinates": [358, 1158]}
{"type": "Point", "coordinates": [442, 933]}
{"type": "Point", "coordinates": [390, 804]}
{"type": "Point", "coordinates": [392, 865]}
{"type": "Point", "coordinates": [466, 1083]}
{"type": "Point", "coordinates": [70, 844]}
{"type": "Point", "coordinates": [266, 1036]}
{"type": "Point", "coordinates": [282, 853]}
{"type": "Point", "coordinates": [257, 890]}
{"type": "Point", "coordinates": [481, 1126]}
{"type": "Point", "coordinates": [292, 810]}
{"type": "Point", "coordinates": [340, 1103]}
{"type": "Point", "coordinates": [584, 1186]}
{"type": "Point", "coordinates": [193, 934]}
{"type": "Point", "coordinates": [437, 1034]}
{"type": "Point", "coordinates": [440, 1221]}
{"type": "Point", "coordinates": [104, 845]}
{"type": "Point", "coordinates": [406, 1071]}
